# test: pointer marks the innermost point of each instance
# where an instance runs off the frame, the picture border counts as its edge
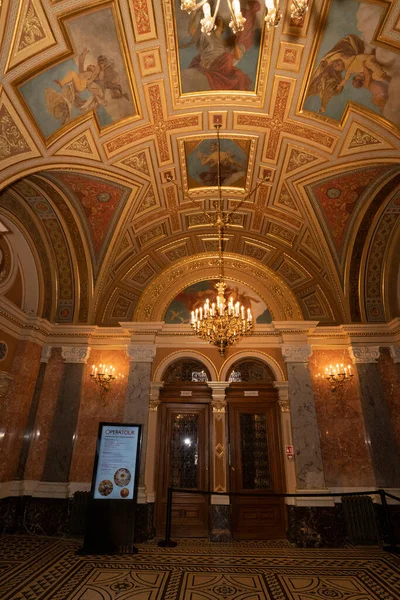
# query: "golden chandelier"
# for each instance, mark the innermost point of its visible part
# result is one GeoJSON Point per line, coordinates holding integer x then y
{"type": "Point", "coordinates": [298, 8]}
{"type": "Point", "coordinates": [221, 323]}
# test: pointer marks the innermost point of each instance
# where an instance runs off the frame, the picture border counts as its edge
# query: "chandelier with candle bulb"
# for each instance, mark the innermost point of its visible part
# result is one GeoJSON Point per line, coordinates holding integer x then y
{"type": "Point", "coordinates": [104, 376]}
{"type": "Point", "coordinates": [337, 375]}
{"type": "Point", "coordinates": [223, 322]}
{"type": "Point", "coordinates": [298, 8]}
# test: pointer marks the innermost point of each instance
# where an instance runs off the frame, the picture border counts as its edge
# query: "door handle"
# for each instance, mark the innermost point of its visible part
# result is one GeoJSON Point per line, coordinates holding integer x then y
{"type": "Point", "coordinates": [233, 468]}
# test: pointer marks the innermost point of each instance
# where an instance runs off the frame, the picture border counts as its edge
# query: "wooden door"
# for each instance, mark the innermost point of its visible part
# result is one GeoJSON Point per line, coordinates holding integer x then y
{"type": "Point", "coordinates": [183, 463]}
{"type": "Point", "coordinates": [256, 468]}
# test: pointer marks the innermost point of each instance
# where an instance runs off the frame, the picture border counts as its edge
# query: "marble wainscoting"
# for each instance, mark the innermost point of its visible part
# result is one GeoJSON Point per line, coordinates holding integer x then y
{"type": "Point", "coordinates": [94, 409]}
{"type": "Point", "coordinates": [220, 517]}
{"type": "Point", "coordinates": [346, 459]}
{"type": "Point", "coordinates": [317, 526]}
{"type": "Point", "coordinates": [62, 516]}
{"type": "Point", "coordinates": [35, 516]}
{"type": "Point", "coordinates": [44, 417]}
{"type": "Point", "coordinates": [16, 406]}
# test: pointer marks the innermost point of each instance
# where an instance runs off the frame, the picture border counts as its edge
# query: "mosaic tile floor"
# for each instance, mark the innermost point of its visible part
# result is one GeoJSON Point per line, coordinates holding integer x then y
{"type": "Point", "coordinates": [38, 568]}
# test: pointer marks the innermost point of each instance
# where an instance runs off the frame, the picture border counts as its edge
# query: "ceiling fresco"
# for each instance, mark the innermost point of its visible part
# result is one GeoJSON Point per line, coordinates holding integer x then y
{"type": "Point", "coordinates": [108, 155]}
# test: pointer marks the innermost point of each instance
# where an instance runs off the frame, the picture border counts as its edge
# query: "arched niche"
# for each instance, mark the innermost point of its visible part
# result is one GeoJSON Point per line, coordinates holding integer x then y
{"type": "Point", "coordinates": [17, 261]}
{"type": "Point", "coordinates": [240, 270]}
{"type": "Point", "coordinates": [246, 355]}
{"type": "Point", "coordinates": [196, 358]}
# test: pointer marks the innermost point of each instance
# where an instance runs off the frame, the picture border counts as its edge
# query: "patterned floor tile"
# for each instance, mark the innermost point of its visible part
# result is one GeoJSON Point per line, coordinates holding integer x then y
{"type": "Point", "coordinates": [33, 568]}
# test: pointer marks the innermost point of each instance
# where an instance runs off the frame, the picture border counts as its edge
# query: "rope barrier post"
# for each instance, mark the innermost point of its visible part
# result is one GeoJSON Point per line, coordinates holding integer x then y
{"type": "Point", "coordinates": [168, 543]}
{"type": "Point", "coordinates": [389, 528]}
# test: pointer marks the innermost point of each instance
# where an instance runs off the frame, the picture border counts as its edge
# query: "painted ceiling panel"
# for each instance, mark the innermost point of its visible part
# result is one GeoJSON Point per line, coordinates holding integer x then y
{"type": "Point", "coordinates": [108, 108]}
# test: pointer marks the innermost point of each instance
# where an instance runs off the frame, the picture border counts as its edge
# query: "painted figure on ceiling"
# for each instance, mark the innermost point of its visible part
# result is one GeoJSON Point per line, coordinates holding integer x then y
{"type": "Point", "coordinates": [96, 79]}
{"type": "Point", "coordinates": [219, 53]}
{"type": "Point", "coordinates": [349, 56]}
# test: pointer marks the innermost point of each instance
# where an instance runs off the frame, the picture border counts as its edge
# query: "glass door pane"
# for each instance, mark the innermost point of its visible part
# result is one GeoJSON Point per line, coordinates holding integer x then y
{"type": "Point", "coordinates": [184, 450]}
{"type": "Point", "coordinates": [254, 452]}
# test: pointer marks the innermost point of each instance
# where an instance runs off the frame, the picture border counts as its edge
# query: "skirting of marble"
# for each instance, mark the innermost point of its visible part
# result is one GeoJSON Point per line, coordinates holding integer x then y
{"type": "Point", "coordinates": [61, 516]}
{"type": "Point", "coordinates": [42, 568]}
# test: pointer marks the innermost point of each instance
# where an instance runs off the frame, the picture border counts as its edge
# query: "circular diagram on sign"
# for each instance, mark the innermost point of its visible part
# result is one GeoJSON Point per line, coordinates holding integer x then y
{"type": "Point", "coordinates": [122, 477]}
{"type": "Point", "coordinates": [105, 487]}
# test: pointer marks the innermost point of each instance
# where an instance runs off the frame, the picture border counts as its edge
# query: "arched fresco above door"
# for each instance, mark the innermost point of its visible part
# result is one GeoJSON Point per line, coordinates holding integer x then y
{"type": "Point", "coordinates": [194, 296]}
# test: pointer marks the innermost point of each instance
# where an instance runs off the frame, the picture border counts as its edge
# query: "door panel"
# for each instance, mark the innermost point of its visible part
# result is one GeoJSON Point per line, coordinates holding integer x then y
{"type": "Point", "coordinates": [256, 469]}
{"type": "Point", "coordinates": [183, 463]}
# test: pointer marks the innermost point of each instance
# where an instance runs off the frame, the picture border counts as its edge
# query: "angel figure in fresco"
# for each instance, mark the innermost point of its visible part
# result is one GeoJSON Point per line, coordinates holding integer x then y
{"type": "Point", "coordinates": [349, 56]}
{"type": "Point", "coordinates": [229, 166]}
{"type": "Point", "coordinates": [218, 55]}
{"type": "Point", "coordinates": [95, 78]}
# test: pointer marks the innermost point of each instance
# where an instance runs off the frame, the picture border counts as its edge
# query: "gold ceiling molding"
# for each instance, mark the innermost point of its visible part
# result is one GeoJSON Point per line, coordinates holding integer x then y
{"type": "Point", "coordinates": [32, 34]}
{"type": "Point", "coordinates": [81, 146]}
{"type": "Point", "coordinates": [277, 124]}
{"type": "Point", "coordinates": [138, 163]}
{"type": "Point", "coordinates": [271, 288]}
{"type": "Point", "coordinates": [144, 26]}
{"type": "Point", "coordinates": [388, 32]}
{"type": "Point", "coordinates": [298, 159]}
{"type": "Point", "coordinates": [360, 138]}
{"type": "Point", "coordinates": [16, 143]}
{"type": "Point", "coordinates": [160, 129]}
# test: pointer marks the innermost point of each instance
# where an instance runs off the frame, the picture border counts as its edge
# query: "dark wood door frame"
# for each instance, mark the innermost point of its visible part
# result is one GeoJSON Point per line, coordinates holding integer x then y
{"type": "Point", "coordinates": [256, 517]}
{"type": "Point", "coordinates": [190, 514]}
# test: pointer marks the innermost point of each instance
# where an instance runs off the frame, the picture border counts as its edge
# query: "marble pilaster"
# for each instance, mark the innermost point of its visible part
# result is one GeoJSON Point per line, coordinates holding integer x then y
{"type": "Point", "coordinates": [15, 406]}
{"type": "Point", "coordinates": [63, 432]}
{"type": "Point", "coordinates": [136, 410]}
{"type": "Point", "coordinates": [306, 442]}
{"type": "Point", "coordinates": [286, 430]}
{"type": "Point", "coordinates": [27, 439]}
{"type": "Point", "coordinates": [220, 510]}
{"type": "Point", "coordinates": [154, 402]}
{"type": "Point", "coordinates": [380, 436]}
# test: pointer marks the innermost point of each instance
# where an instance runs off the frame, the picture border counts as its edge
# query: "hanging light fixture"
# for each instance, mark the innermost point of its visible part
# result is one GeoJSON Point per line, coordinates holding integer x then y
{"type": "Point", "coordinates": [221, 323]}
{"type": "Point", "coordinates": [237, 23]}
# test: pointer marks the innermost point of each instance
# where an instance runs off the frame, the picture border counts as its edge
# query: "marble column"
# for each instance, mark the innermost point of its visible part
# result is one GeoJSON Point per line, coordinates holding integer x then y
{"type": "Point", "coordinates": [306, 441]}
{"type": "Point", "coordinates": [63, 432]}
{"type": "Point", "coordinates": [220, 530]}
{"type": "Point", "coordinates": [154, 402]}
{"type": "Point", "coordinates": [380, 436]}
{"type": "Point", "coordinates": [137, 400]}
{"type": "Point", "coordinates": [286, 430]}
{"type": "Point", "coordinates": [26, 442]}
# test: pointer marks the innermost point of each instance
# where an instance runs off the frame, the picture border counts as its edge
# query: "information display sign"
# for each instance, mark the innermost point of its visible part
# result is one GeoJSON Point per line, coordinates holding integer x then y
{"type": "Point", "coordinates": [117, 462]}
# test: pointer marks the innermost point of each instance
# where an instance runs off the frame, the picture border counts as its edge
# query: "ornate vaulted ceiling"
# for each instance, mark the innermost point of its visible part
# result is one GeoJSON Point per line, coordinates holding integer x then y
{"type": "Point", "coordinates": [102, 103]}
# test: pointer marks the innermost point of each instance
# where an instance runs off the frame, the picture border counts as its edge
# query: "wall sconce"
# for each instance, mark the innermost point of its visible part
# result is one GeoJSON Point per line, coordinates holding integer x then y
{"type": "Point", "coordinates": [103, 376]}
{"type": "Point", "coordinates": [337, 375]}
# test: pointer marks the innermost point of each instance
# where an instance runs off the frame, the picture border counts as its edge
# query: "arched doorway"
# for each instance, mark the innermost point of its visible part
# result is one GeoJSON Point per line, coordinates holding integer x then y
{"type": "Point", "coordinates": [255, 452]}
{"type": "Point", "coordinates": [183, 447]}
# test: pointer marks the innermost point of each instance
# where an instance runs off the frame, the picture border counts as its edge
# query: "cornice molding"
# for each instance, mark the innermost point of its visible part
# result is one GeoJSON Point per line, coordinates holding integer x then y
{"type": "Point", "coordinates": [364, 354]}
{"type": "Point", "coordinates": [296, 354]}
{"type": "Point", "coordinates": [75, 354]}
{"type": "Point", "coordinates": [395, 353]}
{"type": "Point", "coordinates": [141, 353]}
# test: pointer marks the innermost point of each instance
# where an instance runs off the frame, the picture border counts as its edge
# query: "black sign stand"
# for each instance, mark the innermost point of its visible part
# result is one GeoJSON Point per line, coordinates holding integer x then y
{"type": "Point", "coordinates": [111, 522]}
